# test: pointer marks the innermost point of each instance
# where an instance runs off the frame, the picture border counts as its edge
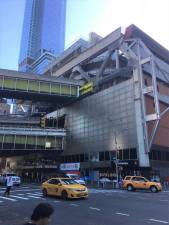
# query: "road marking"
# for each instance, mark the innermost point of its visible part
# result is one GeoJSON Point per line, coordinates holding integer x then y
{"type": "Point", "coordinates": [122, 214]}
{"type": "Point", "coordinates": [21, 194]}
{"type": "Point", "coordinates": [1, 201]}
{"type": "Point", "coordinates": [34, 194]}
{"type": "Point", "coordinates": [95, 208]}
{"type": "Point", "coordinates": [25, 187]}
{"type": "Point", "coordinates": [142, 198]}
{"type": "Point", "coordinates": [158, 221]}
{"type": "Point", "coordinates": [57, 201]}
{"type": "Point", "coordinates": [10, 199]}
{"type": "Point", "coordinates": [16, 190]}
{"type": "Point", "coordinates": [74, 204]}
{"type": "Point", "coordinates": [31, 196]}
{"type": "Point", "coordinates": [163, 200]}
{"type": "Point", "coordinates": [123, 196]}
{"type": "Point", "coordinates": [14, 196]}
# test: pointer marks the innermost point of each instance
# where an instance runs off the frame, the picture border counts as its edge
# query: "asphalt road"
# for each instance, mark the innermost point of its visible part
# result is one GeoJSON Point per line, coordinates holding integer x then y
{"type": "Point", "coordinates": [104, 207]}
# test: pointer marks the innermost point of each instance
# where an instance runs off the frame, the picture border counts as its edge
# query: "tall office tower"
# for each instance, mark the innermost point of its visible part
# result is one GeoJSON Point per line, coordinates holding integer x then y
{"type": "Point", "coordinates": [43, 34]}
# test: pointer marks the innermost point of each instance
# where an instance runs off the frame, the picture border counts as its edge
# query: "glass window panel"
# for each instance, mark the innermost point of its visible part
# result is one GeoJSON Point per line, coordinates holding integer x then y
{"type": "Point", "coordinates": [133, 153]}
{"type": "Point", "coordinates": [34, 86]}
{"type": "Point", "coordinates": [44, 87]}
{"type": "Point", "coordinates": [86, 157]}
{"type": "Point", "coordinates": [41, 141]}
{"type": "Point", "coordinates": [154, 155]}
{"type": "Point", "coordinates": [9, 83]}
{"type": "Point", "coordinates": [101, 156]}
{"type": "Point", "coordinates": [55, 88]}
{"type": "Point", "coordinates": [22, 84]}
{"type": "Point", "coordinates": [9, 139]}
{"type": "Point", "coordinates": [126, 154]}
{"type": "Point", "coordinates": [74, 90]}
{"type": "Point", "coordinates": [20, 139]}
{"type": "Point", "coordinates": [50, 142]}
{"type": "Point", "coordinates": [81, 157]}
{"type": "Point", "coordinates": [31, 140]}
{"type": "Point", "coordinates": [1, 82]}
{"type": "Point", "coordinates": [158, 155]}
{"type": "Point", "coordinates": [107, 155]}
{"type": "Point", "coordinates": [65, 89]}
{"type": "Point", "coordinates": [167, 156]}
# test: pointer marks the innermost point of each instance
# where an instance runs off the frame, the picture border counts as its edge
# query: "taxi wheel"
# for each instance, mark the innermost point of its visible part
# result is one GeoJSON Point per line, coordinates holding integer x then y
{"type": "Point", "coordinates": [45, 193]}
{"type": "Point", "coordinates": [64, 195]}
{"type": "Point", "coordinates": [153, 189]}
{"type": "Point", "coordinates": [130, 187]}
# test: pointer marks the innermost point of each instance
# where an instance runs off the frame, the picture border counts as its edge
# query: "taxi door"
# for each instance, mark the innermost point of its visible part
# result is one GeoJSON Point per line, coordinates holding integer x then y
{"type": "Point", "coordinates": [50, 186]}
{"type": "Point", "coordinates": [140, 183]}
{"type": "Point", "coordinates": [55, 188]}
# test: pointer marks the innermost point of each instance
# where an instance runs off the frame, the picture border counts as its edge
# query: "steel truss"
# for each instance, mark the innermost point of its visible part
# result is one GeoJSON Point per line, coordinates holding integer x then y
{"type": "Point", "coordinates": [139, 55]}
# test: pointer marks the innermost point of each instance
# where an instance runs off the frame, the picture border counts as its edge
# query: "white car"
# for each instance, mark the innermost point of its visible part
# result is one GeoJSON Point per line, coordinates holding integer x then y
{"type": "Point", "coordinates": [105, 180]}
{"type": "Point", "coordinates": [15, 179]}
{"type": "Point", "coordinates": [76, 178]}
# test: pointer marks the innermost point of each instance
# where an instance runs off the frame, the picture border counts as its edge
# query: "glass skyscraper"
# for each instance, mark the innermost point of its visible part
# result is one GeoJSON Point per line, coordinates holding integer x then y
{"type": "Point", "coordinates": [43, 33]}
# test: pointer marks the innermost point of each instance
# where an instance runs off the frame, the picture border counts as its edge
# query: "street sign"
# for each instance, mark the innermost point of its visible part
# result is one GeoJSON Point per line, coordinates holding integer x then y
{"type": "Point", "coordinates": [121, 163]}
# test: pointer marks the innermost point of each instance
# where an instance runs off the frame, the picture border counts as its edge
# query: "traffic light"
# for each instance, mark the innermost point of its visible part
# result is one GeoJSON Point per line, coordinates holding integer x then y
{"type": "Point", "coordinates": [43, 122]}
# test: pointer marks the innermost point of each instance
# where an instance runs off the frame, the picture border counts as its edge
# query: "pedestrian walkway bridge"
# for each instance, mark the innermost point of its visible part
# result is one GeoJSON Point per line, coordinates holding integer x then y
{"type": "Point", "coordinates": [16, 138]}
{"type": "Point", "coordinates": [19, 85]}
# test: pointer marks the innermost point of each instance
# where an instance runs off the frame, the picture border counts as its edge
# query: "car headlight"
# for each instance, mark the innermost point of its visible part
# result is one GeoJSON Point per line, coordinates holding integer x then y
{"type": "Point", "coordinates": [77, 190]}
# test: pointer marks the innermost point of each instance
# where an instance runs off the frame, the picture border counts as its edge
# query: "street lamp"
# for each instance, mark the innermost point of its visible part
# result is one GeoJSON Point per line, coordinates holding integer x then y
{"type": "Point", "coordinates": [116, 161]}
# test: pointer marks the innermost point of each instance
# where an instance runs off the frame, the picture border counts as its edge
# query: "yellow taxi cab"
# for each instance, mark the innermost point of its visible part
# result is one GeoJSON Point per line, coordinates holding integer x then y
{"type": "Point", "coordinates": [64, 188]}
{"type": "Point", "coordinates": [131, 183]}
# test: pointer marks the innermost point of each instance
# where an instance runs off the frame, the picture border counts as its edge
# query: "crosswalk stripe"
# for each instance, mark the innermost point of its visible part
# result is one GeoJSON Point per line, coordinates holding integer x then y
{"type": "Point", "coordinates": [1, 201]}
{"type": "Point", "coordinates": [14, 196]}
{"type": "Point", "coordinates": [40, 194]}
{"type": "Point", "coordinates": [10, 199]}
{"type": "Point", "coordinates": [31, 196]}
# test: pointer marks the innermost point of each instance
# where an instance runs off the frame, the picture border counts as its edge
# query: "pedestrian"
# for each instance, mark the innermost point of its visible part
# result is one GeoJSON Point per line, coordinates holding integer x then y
{"type": "Point", "coordinates": [9, 184]}
{"type": "Point", "coordinates": [41, 214]}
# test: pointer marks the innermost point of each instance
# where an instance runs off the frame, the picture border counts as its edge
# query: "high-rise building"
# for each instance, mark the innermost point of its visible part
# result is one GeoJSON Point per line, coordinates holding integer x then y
{"type": "Point", "coordinates": [43, 33]}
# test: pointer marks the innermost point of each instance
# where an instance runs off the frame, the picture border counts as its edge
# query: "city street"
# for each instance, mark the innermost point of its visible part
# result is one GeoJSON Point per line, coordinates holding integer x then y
{"type": "Point", "coordinates": [103, 207]}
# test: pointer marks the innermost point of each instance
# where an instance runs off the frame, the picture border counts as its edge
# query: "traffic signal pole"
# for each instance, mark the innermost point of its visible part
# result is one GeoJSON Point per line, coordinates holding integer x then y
{"type": "Point", "coordinates": [117, 171]}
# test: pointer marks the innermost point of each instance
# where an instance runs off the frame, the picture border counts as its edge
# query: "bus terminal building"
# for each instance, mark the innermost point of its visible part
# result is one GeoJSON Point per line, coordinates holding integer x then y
{"type": "Point", "coordinates": [121, 114]}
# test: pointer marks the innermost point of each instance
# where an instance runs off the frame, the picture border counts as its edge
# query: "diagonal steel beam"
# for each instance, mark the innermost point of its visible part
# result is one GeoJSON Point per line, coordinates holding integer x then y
{"type": "Point", "coordinates": [90, 53]}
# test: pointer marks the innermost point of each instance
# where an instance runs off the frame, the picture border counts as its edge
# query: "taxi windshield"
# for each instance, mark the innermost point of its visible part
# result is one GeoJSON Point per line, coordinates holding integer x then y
{"type": "Point", "coordinates": [75, 177]}
{"type": "Point", "coordinates": [68, 181]}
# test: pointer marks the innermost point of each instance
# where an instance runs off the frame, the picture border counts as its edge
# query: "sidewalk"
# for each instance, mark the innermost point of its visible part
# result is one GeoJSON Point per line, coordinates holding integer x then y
{"type": "Point", "coordinates": [95, 184]}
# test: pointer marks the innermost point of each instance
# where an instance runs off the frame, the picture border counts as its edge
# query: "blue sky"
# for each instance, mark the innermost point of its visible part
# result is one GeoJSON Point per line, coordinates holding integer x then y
{"type": "Point", "coordinates": [84, 16]}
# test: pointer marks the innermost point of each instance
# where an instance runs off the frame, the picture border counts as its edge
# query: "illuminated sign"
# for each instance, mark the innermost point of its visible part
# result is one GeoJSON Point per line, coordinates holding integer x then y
{"type": "Point", "coordinates": [69, 166]}
{"type": "Point", "coordinates": [86, 88]}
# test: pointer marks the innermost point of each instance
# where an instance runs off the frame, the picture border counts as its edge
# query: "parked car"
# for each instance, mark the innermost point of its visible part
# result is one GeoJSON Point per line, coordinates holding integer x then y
{"type": "Point", "coordinates": [15, 179]}
{"type": "Point", "coordinates": [105, 180]}
{"type": "Point", "coordinates": [132, 183]}
{"type": "Point", "coordinates": [64, 187]}
{"type": "Point", "coordinates": [76, 178]}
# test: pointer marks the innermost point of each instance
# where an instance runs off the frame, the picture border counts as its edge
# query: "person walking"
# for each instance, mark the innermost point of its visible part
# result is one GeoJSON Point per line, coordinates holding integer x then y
{"type": "Point", "coordinates": [9, 184]}
{"type": "Point", "coordinates": [41, 214]}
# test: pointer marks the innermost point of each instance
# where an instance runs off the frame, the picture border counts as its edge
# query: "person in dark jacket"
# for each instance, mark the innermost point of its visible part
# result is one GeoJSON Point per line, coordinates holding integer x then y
{"type": "Point", "coordinates": [41, 214]}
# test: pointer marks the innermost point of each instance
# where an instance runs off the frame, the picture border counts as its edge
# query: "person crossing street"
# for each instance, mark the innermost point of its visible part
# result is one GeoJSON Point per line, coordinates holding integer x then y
{"type": "Point", "coordinates": [9, 184]}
